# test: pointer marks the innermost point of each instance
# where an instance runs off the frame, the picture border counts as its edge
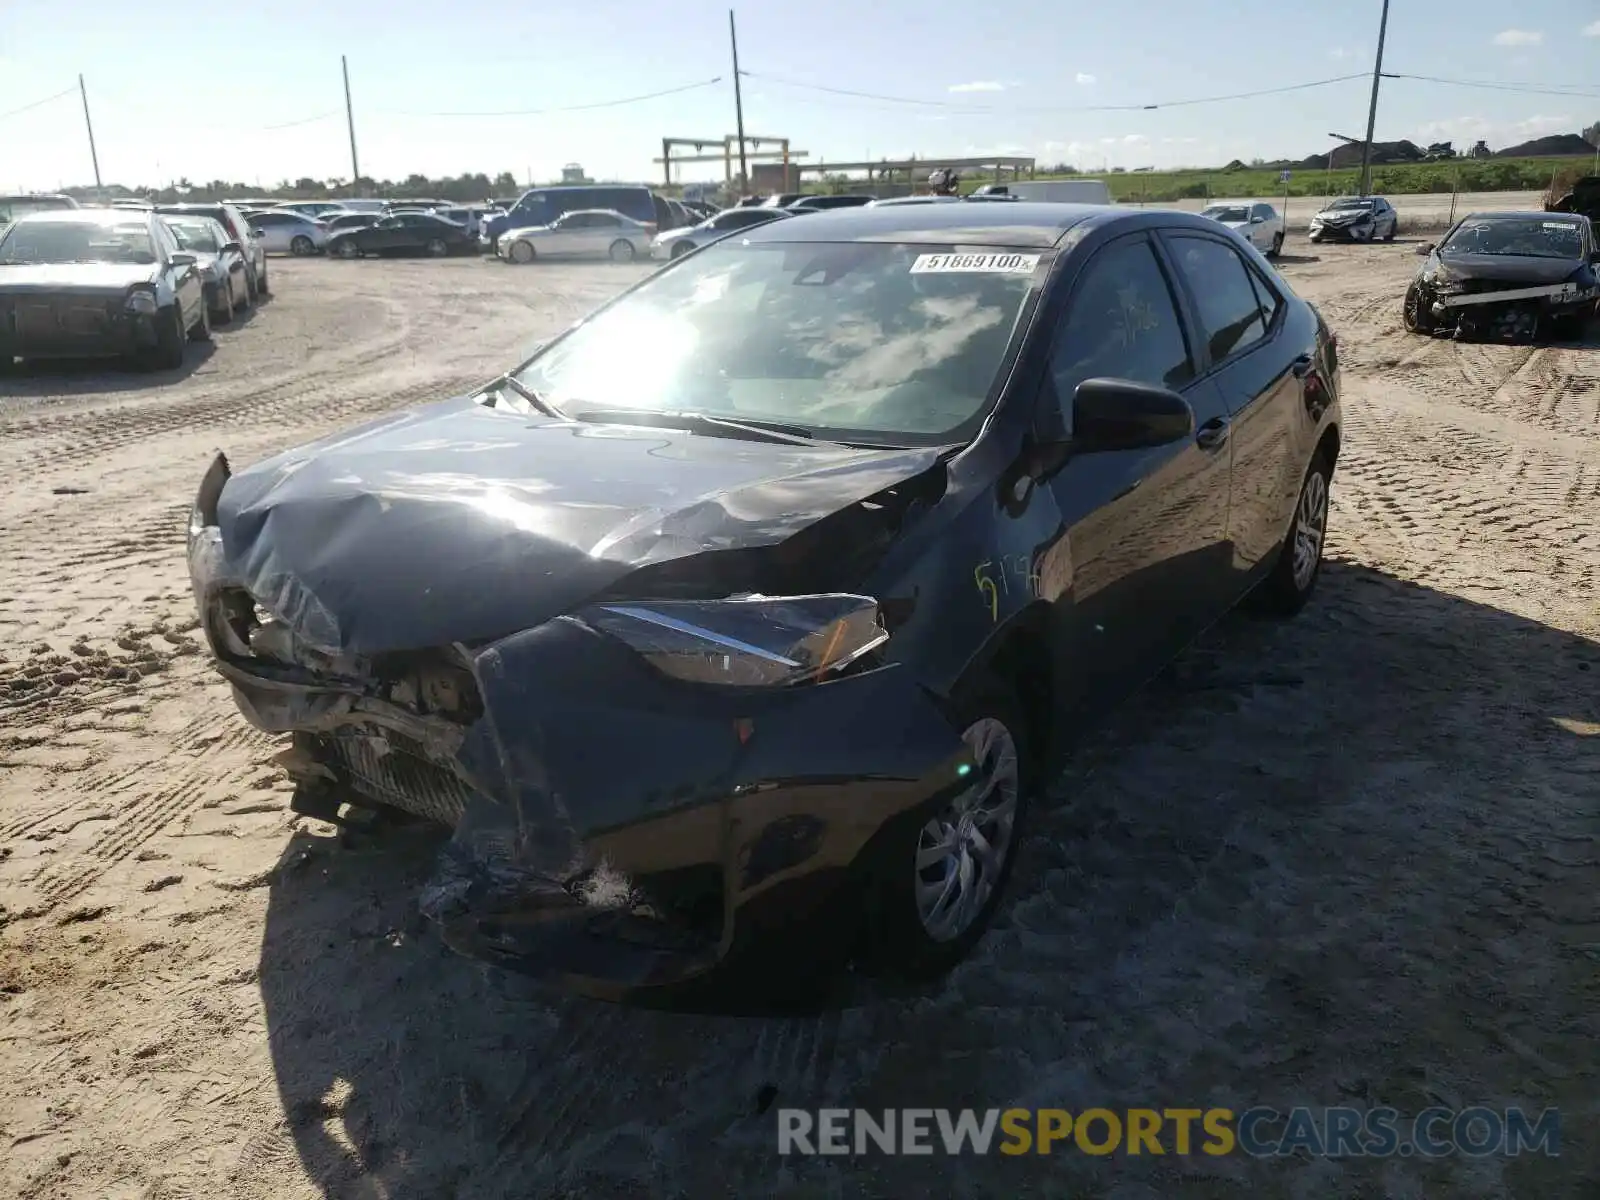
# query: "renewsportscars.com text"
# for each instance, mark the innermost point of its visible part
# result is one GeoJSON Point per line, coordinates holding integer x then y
{"type": "Point", "coordinates": [1260, 1132]}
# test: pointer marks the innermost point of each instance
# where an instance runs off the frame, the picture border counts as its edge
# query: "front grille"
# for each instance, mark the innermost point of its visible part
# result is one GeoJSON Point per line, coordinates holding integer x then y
{"type": "Point", "coordinates": [392, 769]}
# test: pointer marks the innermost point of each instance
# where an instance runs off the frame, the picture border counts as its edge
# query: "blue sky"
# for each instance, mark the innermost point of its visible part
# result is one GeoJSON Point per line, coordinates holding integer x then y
{"type": "Point", "coordinates": [196, 93]}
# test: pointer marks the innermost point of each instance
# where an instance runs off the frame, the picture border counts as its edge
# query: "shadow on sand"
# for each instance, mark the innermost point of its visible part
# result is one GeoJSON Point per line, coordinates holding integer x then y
{"type": "Point", "coordinates": [1316, 862]}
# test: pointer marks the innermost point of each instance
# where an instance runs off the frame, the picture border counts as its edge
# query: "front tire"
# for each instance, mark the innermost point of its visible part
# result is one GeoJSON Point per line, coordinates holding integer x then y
{"type": "Point", "coordinates": [348, 250]}
{"type": "Point", "coordinates": [261, 284]}
{"type": "Point", "coordinates": [522, 253]}
{"type": "Point", "coordinates": [1294, 576]}
{"type": "Point", "coordinates": [1416, 313]}
{"type": "Point", "coordinates": [171, 345]}
{"type": "Point", "coordinates": [1277, 245]}
{"type": "Point", "coordinates": [937, 879]}
{"type": "Point", "coordinates": [438, 248]}
{"type": "Point", "coordinates": [230, 302]}
{"type": "Point", "coordinates": [622, 250]}
{"type": "Point", "coordinates": [681, 249]}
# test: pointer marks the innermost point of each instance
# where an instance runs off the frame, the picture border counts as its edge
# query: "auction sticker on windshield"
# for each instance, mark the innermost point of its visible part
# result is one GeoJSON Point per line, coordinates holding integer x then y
{"type": "Point", "coordinates": [987, 264]}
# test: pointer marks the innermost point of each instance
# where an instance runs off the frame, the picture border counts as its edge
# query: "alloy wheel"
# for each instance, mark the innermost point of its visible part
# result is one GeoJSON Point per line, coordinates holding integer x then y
{"type": "Point", "coordinates": [962, 852]}
{"type": "Point", "coordinates": [1310, 524]}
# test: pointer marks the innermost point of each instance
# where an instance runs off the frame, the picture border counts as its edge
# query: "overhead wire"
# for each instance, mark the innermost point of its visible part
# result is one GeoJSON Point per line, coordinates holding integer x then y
{"type": "Point", "coordinates": [957, 106]}
{"type": "Point", "coordinates": [1526, 89]}
{"type": "Point", "coordinates": [38, 103]}
{"type": "Point", "coordinates": [534, 112]}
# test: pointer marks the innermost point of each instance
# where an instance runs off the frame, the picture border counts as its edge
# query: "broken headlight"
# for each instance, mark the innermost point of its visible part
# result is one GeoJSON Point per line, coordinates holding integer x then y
{"type": "Point", "coordinates": [746, 641]}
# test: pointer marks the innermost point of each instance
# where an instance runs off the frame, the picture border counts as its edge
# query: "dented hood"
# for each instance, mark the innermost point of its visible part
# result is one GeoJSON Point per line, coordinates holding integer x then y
{"type": "Point", "coordinates": [457, 522]}
{"type": "Point", "coordinates": [1510, 268]}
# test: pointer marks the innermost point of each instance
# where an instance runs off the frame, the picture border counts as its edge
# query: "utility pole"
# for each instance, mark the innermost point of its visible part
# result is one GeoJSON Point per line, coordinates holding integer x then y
{"type": "Point", "coordinates": [350, 120]}
{"type": "Point", "coordinates": [94, 155]}
{"type": "Point", "coordinates": [738, 107]}
{"type": "Point", "coordinates": [1372, 109]}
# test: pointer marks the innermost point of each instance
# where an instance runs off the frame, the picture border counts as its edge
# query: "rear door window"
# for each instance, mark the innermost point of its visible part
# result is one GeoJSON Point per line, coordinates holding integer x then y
{"type": "Point", "coordinates": [1232, 318]}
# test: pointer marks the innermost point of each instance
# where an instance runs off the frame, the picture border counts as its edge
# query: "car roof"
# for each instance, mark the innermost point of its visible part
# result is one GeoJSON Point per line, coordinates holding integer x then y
{"type": "Point", "coordinates": [1024, 223]}
{"type": "Point", "coordinates": [1525, 215]}
{"type": "Point", "coordinates": [85, 216]}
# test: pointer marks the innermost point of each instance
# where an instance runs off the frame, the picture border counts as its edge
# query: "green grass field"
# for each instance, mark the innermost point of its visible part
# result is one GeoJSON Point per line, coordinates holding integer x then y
{"type": "Point", "coordinates": [1467, 175]}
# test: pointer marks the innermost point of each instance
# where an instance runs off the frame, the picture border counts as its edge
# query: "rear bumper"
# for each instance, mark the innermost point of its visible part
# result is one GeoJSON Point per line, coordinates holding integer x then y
{"type": "Point", "coordinates": [626, 835]}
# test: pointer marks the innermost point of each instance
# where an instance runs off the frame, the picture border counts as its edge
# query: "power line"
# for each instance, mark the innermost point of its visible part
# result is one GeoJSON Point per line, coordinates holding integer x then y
{"type": "Point", "coordinates": [40, 103]}
{"type": "Point", "coordinates": [301, 121]}
{"type": "Point", "coordinates": [535, 112]}
{"type": "Point", "coordinates": [1527, 89]}
{"type": "Point", "coordinates": [952, 106]}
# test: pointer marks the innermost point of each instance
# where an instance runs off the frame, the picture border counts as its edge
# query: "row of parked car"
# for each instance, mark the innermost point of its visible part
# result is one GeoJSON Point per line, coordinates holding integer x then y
{"type": "Point", "coordinates": [138, 282]}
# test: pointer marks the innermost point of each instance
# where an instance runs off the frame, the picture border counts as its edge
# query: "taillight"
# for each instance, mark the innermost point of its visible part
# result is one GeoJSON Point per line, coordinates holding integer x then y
{"type": "Point", "coordinates": [649, 227]}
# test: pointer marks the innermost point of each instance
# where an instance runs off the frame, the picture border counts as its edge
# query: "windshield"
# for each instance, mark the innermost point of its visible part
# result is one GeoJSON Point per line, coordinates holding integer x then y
{"type": "Point", "coordinates": [1530, 237]}
{"type": "Point", "coordinates": [1350, 202]}
{"type": "Point", "coordinates": [1232, 212]}
{"type": "Point", "coordinates": [905, 341]}
{"type": "Point", "coordinates": [76, 242]}
{"type": "Point", "coordinates": [195, 235]}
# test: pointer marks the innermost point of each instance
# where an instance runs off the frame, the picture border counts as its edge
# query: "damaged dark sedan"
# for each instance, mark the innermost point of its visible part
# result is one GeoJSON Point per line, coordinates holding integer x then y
{"type": "Point", "coordinates": [756, 606]}
{"type": "Point", "coordinates": [1507, 276]}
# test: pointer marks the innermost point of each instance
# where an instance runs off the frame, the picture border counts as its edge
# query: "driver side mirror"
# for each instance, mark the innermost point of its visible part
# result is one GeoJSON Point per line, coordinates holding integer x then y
{"type": "Point", "coordinates": [1425, 249]}
{"type": "Point", "coordinates": [1257, 220]}
{"type": "Point", "coordinates": [1119, 414]}
{"type": "Point", "coordinates": [232, 247]}
{"type": "Point", "coordinates": [182, 259]}
{"type": "Point", "coordinates": [1594, 257]}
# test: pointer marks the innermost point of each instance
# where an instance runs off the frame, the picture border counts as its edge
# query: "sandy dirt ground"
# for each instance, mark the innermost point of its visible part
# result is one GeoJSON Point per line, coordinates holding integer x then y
{"type": "Point", "coordinates": [1349, 859]}
{"type": "Point", "coordinates": [1427, 212]}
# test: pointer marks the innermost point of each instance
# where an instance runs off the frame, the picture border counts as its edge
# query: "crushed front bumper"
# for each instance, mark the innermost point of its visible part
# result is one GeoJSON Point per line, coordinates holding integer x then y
{"type": "Point", "coordinates": [623, 833]}
{"type": "Point", "coordinates": [72, 327]}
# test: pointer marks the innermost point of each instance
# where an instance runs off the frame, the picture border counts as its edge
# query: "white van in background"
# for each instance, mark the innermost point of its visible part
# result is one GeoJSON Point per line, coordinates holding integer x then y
{"type": "Point", "coordinates": [1052, 191]}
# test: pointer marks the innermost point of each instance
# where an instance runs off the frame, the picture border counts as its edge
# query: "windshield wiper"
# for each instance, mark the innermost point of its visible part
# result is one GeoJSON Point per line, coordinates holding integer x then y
{"type": "Point", "coordinates": [526, 393]}
{"type": "Point", "coordinates": [771, 431]}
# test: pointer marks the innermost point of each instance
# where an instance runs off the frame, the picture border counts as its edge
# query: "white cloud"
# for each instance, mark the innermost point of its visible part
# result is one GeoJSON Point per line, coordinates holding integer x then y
{"type": "Point", "coordinates": [1518, 37]}
{"type": "Point", "coordinates": [1134, 139]}
{"type": "Point", "coordinates": [981, 85]}
{"type": "Point", "coordinates": [1592, 29]}
{"type": "Point", "coordinates": [1085, 78]}
{"type": "Point", "coordinates": [1337, 53]}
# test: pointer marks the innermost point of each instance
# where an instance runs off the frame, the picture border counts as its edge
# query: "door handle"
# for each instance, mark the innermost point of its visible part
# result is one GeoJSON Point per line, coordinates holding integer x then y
{"type": "Point", "coordinates": [1301, 366]}
{"type": "Point", "coordinates": [1213, 434]}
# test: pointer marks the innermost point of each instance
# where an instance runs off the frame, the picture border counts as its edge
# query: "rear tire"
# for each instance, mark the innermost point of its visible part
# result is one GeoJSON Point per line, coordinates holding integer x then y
{"type": "Point", "coordinates": [200, 331]}
{"type": "Point", "coordinates": [230, 303]}
{"type": "Point", "coordinates": [300, 245]}
{"type": "Point", "coordinates": [1294, 576]}
{"type": "Point", "coordinates": [1277, 246]}
{"type": "Point", "coordinates": [438, 248]}
{"type": "Point", "coordinates": [348, 250]}
{"type": "Point", "coordinates": [915, 931]}
{"type": "Point", "coordinates": [261, 285]}
{"type": "Point", "coordinates": [622, 251]}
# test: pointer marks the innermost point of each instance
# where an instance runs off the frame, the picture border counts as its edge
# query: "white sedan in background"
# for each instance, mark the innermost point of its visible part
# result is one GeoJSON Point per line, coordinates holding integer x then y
{"type": "Point", "coordinates": [1259, 224]}
{"type": "Point", "coordinates": [677, 242]}
{"type": "Point", "coordinates": [284, 231]}
{"type": "Point", "coordinates": [582, 233]}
